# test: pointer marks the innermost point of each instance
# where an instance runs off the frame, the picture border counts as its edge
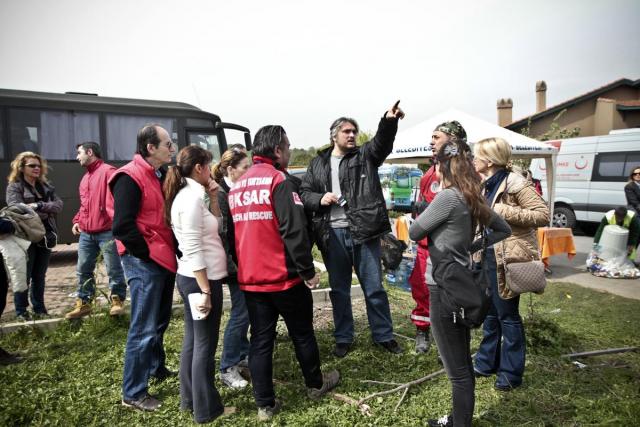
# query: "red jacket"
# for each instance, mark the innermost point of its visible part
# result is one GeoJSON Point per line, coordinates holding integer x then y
{"type": "Point", "coordinates": [150, 219]}
{"type": "Point", "coordinates": [272, 245]}
{"type": "Point", "coordinates": [92, 216]}
{"type": "Point", "coordinates": [429, 186]}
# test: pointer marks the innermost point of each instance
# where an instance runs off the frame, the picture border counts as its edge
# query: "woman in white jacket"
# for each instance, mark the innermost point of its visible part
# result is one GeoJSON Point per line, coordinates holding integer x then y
{"type": "Point", "coordinates": [192, 210]}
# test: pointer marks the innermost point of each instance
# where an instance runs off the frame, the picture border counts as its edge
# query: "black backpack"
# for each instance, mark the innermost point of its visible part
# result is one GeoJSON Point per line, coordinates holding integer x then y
{"type": "Point", "coordinates": [466, 292]}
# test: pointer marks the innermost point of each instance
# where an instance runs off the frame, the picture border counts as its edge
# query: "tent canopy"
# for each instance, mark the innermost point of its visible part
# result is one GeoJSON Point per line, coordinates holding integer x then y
{"type": "Point", "coordinates": [413, 145]}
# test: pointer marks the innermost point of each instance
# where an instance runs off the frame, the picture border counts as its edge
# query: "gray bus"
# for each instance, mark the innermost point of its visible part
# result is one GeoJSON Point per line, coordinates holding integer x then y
{"type": "Point", "coordinates": [52, 124]}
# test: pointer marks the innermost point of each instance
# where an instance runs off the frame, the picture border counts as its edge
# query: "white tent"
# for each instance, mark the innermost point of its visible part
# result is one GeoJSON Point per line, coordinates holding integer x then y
{"type": "Point", "coordinates": [413, 145]}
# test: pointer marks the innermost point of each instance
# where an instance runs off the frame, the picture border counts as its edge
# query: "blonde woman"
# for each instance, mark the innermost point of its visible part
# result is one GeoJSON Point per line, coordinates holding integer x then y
{"type": "Point", "coordinates": [502, 350]}
{"type": "Point", "coordinates": [28, 184]}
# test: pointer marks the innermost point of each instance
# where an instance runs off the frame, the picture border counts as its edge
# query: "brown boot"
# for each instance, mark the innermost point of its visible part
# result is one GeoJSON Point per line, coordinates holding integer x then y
{"type": "Point", "coordinates": [81, 310]}
{"type": "Point", "coordinates": [117, 306]}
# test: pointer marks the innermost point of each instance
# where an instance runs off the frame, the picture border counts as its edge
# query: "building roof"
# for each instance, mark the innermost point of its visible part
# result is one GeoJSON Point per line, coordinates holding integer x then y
{"type": "Point", "coordinates": [628, 105]}
{"type": "Point", "coordinates": [573, 101]}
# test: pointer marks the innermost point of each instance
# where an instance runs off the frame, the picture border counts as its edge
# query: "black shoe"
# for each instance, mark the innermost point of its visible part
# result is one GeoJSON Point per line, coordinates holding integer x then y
{"type": "Point", "coordinates": [342, 348]}
{"type": "Point", "coordinates": [505, 388]}
{"type": "Point", "coordinates": [446, 421]}
{"type": "Point", "coordinates": [7, 358]}
{"type": "Point", "coordinates": [164, 373]}
{"type": "Point", "coordinates": [145, 403]}
{"type": "Point", "coordinates": [479, 374]}
{"type": "Point", "coordinates": [391, 346]}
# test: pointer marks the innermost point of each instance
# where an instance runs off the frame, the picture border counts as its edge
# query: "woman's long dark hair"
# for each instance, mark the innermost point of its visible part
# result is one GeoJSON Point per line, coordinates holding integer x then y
{"type": "Point", "coordinates": [456, 168]}
{"type": "Point", "coordinates": [186, 161]}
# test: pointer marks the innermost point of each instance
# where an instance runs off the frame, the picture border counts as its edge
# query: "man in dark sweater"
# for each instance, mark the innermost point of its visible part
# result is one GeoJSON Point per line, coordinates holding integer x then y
{"type": "Point", "coordinates": [146, 246]}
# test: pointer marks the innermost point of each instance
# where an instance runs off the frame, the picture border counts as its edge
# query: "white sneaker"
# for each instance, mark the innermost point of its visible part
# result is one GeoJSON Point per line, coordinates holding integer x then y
{"type": "Point", "coordinates": [232, 378]}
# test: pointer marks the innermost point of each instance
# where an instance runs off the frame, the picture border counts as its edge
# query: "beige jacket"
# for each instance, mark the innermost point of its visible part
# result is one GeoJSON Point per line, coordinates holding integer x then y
{"type": "Point", "coordinates": [524, 210]}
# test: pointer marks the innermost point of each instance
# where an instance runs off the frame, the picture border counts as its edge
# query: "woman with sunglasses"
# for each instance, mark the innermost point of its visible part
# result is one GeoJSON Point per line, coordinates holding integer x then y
{"type": "Point", "coordinates": [28, 184]}
{"type": "Point", "coordinates": [632, 190]}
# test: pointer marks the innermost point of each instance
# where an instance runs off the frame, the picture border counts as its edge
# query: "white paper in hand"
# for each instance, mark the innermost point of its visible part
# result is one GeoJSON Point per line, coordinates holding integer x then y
{"type": "Point", "coordinates": [194, 299]}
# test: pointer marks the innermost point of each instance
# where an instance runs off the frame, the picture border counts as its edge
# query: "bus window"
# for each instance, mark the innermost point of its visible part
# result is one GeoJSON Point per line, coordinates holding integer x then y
{"type": "Point", "coordinates": [199, 123]}
{"type": "Point", "coordinates": [206, 140]}
{"type": "Point", "coordinates": [1, 135]}
{"type": "Point", "coordinates": [122, 132]}
{"type": "Point", "coordinates": [53, 134]}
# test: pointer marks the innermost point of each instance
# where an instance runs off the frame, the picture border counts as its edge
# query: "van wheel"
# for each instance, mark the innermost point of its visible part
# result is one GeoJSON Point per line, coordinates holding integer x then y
{"type": "Point", "coordinates": [564, 217]}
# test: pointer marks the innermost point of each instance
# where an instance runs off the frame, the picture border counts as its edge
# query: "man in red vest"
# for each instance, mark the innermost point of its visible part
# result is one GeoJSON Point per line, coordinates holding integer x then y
{"type": "Point", "coordinates": [146, 246]}
{"type": "Point", "coordinates": [93, 224]}
{"type": "Point", "coordinates": [429, 185]}
{"type": "Point", "coordinates": [275, 268]}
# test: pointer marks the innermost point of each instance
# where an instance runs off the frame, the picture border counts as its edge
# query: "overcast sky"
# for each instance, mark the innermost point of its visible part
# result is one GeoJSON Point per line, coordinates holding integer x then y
{"type": "Point", "coordinates": [304, 63]}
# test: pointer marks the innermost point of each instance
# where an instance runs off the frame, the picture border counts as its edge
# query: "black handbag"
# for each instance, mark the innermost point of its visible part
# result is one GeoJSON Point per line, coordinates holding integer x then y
{"type": "Point", "coordinates": [466, 292]}
{"type": "Point", "coordinates": [391, 251]}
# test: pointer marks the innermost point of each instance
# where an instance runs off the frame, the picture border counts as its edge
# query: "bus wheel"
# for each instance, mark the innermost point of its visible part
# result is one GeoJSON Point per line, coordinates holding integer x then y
{"type": "Point", "coordinates": [564, 217]}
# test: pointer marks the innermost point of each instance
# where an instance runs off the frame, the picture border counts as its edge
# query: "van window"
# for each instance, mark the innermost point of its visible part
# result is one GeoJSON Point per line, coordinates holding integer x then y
{"type": "Point", "coordinates": [122, 132]}
{"type": "Point", "coordinates": [613, 167]}
{"type": "Point", "coordinates": [53, 134]}
{"type": "Point", "coordinates": [632, 162]}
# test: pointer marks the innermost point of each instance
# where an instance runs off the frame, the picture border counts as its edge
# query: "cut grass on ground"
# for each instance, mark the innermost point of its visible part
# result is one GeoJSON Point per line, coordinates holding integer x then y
{"type": "Point", "coordinates": [73, 376]}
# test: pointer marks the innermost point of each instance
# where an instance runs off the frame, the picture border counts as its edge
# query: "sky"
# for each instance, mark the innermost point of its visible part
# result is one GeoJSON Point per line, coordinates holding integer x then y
{"type": "Point", "coordinates": [302, 64]}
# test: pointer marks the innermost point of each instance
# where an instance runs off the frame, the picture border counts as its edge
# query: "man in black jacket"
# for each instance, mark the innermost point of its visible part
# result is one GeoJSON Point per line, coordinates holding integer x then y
{"type": "Point", "coordinates": [342, 189]}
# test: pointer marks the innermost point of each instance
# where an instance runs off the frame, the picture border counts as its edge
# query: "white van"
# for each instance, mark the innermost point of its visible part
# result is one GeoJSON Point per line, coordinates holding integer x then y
{"type": "Point", "coordinates": [591, 173]}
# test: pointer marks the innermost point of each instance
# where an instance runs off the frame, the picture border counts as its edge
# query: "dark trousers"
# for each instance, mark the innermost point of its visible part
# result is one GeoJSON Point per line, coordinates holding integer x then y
{"type": "Point", "coordinates": [36, 272]}
{"type": "Point", "coordinates": [197, 359]}
{"type": "Point", "coordinates": [4, 286]}
{"type": "Point", "coordinates": [295, 305]}
{"type": "Point", "coordinates": [454, 344]}
{"type": "Point", "coordinates": [503, 349]}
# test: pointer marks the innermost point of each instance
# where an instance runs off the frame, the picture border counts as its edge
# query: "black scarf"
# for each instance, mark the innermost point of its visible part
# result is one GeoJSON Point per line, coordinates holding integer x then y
{"type": "Point", "coordinates": [492, 184]}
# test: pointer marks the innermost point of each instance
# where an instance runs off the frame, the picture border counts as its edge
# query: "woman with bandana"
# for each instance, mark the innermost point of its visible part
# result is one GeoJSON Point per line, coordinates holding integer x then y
{"type": "Point", "coordinates": [450, 222]}
{"type": "Point", "coordinates": [451, 131]}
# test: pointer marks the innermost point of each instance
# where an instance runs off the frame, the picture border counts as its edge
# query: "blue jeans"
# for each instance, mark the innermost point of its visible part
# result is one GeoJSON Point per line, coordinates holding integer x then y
{"type": "Point", "coordinates": [36, 272]}
{"type": "Point", "coordinates": [340, 256]}
{"type": "Point", "coordinates": [89, 247]}
{"type": "Point", "coordinates": [151, 290]}
{"type": "Point", "coordinates": [235, 346]}
{"type": "Point", "coordinates": [454, 345]}
{"type": "Point", "coordinates": [502, 350]}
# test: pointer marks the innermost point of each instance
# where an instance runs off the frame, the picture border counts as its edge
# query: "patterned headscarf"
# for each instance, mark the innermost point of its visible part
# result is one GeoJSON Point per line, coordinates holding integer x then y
{"type": "Point", "coordinates": [453, 128]}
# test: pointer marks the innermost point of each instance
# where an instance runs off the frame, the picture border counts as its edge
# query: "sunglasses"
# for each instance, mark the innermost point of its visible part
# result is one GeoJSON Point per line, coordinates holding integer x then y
{"type": "Point", "coordinates": [635, 173]}
{"type": "Point", "coordinates": [33, 166]}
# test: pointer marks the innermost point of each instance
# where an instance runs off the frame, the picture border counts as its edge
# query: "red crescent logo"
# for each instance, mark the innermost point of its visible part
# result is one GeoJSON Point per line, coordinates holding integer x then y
{"type": "Point", "coordinates": [581, 163]}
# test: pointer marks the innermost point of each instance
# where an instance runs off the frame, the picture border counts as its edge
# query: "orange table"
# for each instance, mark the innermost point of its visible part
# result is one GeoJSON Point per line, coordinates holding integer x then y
{"type": "Point", "coordinates": [554, 241]}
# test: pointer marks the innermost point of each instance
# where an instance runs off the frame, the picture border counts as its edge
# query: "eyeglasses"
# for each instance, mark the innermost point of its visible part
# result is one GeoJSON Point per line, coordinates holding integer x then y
{"type": "Point", "coordinates": [33, 166]}
{"type": "Point", "coordinates": [635, 173]}
{"type": "Point", "coordinates": [171, 145]}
